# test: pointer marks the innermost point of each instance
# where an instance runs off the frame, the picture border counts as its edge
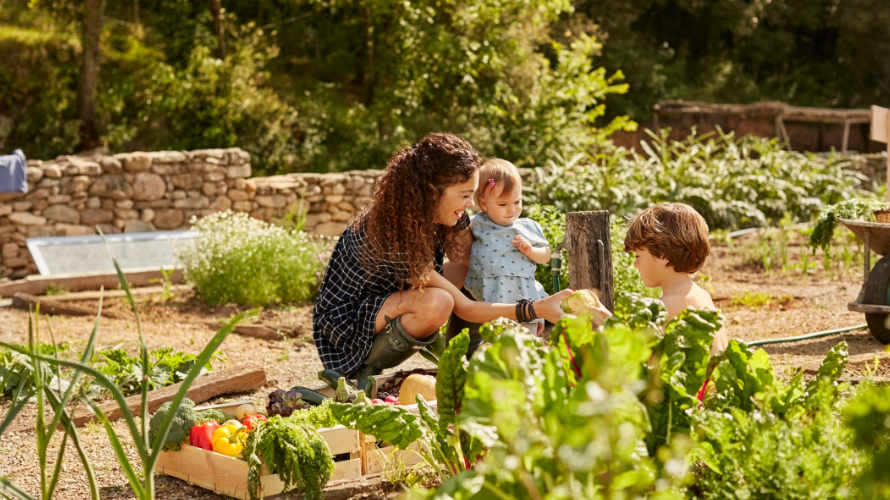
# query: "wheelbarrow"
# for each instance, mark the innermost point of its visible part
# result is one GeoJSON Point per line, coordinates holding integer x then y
{"type": "Point", "coordinates": [874, 296]}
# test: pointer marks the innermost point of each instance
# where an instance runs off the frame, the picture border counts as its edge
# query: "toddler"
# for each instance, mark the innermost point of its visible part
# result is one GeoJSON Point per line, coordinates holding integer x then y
{"type": "Point", "coordinates": [506, 248]}
{"type": "Point", "coordinates": [670, 243]}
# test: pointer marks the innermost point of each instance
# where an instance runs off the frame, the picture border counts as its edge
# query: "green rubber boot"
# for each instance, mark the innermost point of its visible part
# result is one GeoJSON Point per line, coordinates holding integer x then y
{"type": "Point", "coordinates": [391, 346]}
{"type": "Point", "coordinates": [456, 324]}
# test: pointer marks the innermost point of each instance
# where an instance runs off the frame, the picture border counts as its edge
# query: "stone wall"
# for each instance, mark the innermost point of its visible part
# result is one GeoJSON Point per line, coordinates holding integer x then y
{"type": "Point", "coordinates": [137, 192]}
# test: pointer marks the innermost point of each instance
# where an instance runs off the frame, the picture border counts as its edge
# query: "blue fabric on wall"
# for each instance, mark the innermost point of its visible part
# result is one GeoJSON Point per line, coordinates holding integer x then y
{"type": "Point", "coordinates": [13, 173]}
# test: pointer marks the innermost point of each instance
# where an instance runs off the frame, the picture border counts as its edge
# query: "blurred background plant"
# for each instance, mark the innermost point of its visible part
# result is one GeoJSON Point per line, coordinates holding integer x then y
{"type": "Point", "coordinates": [242, 260]}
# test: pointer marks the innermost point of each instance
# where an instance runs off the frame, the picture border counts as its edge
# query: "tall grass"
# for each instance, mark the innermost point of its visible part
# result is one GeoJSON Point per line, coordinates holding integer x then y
{"type": "Point", "coordinates": [141, 481]}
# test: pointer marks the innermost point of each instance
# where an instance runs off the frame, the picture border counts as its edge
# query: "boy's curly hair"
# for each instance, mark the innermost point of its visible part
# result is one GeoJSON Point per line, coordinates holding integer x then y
{"type": "Point", "coordinates": [399, 227]}
{"type": "Point", "coordinates": [672, 231]}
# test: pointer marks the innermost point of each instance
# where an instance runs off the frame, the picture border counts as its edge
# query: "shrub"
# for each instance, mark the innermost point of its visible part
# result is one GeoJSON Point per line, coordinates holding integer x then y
{"type": "Point", "coordinates": [238, 259]}
{"type": "Point", "coordinates": [733, 182]}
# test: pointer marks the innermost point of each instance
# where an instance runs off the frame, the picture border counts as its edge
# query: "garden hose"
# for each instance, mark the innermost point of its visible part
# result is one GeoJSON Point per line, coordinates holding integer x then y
{"type": "Point", "coordinates": [815, 335]}
{"type": "Point", "coordinates": [556, 267]}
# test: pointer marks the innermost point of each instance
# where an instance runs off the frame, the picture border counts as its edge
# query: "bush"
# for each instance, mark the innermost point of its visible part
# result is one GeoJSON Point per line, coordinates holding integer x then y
{"type": "Point", "coordinates": [241, 260]}
{"type": "Point", "coordinates": [733, 182]}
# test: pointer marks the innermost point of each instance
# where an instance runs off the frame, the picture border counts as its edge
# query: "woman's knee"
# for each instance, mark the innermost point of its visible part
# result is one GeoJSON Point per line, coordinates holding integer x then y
{"type": "Point", "coordinates": [437, 305]}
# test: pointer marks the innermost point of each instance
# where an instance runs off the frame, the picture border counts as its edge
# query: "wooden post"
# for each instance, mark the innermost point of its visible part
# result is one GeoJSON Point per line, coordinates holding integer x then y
{"type": "Point", "coordinates": [880, 132]}
{"type": "Point", "coordinates": [590, 254]}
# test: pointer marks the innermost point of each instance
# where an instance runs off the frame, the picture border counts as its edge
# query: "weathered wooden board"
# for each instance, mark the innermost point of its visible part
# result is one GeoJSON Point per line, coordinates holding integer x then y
{"type": "Point", "coordinates": [880, 124]}
{"type": "Point", "coordinates": [233, 380]}
{"type": "Point", "coordinates": [37, 285]}
{"type": "Point", "coordinates": [46, 305]}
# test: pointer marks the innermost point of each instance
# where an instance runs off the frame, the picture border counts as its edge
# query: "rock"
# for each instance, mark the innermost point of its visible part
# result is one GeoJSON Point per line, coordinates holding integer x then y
{"type": "Point", "coordinates": [93, 216]}
{"type": "Point", "coordinates": [135, 162]}
{"type": "Point", "coordinates": [148, 186]}
{"type": "Point", "coordinates": [62, 213]}
{"type": "Point", "coordinates": [26, 219]}
{"type": "Point", "coordinates": [138, 226]}
{"type": "Point", "coordinates": [168, 219]}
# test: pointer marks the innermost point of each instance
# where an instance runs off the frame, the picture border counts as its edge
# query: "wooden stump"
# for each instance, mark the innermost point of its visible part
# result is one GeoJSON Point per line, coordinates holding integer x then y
{"type": "Point", "coordinates": [590, 254]}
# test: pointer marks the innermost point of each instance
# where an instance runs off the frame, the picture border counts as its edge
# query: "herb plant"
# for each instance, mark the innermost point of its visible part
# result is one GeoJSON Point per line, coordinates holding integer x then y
{"type": "Point", "coordinates": [241, 260]}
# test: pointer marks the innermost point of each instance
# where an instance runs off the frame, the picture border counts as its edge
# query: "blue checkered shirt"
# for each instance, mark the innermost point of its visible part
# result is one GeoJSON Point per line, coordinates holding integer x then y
{"type": "Point", "coordinates": [350, 297]}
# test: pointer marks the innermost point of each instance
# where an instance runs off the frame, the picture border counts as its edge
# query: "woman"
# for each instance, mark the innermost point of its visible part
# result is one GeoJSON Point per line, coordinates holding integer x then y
{"type": "Point", "coordinates": [384, 296]}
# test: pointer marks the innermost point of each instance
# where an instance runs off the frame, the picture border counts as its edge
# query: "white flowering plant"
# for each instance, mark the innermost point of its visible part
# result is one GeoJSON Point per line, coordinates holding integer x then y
{"type": "Point", "coordinates": [242, 260]}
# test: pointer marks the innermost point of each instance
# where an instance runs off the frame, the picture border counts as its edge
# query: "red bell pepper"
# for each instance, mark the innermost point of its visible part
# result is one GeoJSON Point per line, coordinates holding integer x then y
{"type": "Point", "coordinates": [251, 421]}
{"type": "Point", "coordinates": [201, 435]}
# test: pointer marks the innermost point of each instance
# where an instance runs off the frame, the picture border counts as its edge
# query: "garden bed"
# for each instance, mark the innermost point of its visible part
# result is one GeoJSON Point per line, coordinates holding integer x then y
{"type": "Point", "coordinates": [756, 304]}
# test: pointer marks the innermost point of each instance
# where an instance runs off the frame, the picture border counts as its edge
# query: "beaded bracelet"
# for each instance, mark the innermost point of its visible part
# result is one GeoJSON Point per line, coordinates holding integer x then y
{"type": "Point", "coordinates": [525, 311]}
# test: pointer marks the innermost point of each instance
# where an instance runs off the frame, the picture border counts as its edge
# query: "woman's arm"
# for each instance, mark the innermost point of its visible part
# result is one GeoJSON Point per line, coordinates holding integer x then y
{"type": "Point", "coordinates": [480, 312]}
{"type": "Point", "coordinates": [458, 263]}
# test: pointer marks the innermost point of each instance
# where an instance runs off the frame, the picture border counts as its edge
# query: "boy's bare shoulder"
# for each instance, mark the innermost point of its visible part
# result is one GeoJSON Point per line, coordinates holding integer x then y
{"type": "Point", "coordinates": [695, 298]}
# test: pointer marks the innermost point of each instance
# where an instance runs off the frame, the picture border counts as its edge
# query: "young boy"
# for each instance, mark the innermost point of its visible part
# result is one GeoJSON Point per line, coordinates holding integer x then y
{"type": "Point", "coordinates": [670, 243]}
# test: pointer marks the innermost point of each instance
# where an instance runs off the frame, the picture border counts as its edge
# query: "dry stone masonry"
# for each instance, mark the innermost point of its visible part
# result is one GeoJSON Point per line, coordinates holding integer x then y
{"type": "Point", "coordinates": [159, 191]}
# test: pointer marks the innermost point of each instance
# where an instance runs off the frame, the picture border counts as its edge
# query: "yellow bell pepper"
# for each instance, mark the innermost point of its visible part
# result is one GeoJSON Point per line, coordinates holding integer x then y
{"type": "Point", "coordinates": [226, 440]}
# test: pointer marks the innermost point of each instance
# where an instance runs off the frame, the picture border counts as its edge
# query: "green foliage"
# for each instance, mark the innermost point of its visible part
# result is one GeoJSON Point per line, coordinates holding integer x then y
{"type": "Point", "coordinates": [17, 368]}
{"type": "Point", "coordinates": [148, 450]}
{"type": "Point", "coordinates": [445, 444]}
{"type": "Point", "coordinates": [682, 356]}
{"type": "Point", "coordinates": [743, 51]}
{"type": "Point", "coordinates": [167, 367]}
{"type": "Point", "coordinates": [218, 103]}
{"type": "Point", "coordinates": [319, 416]}
{"type": "Point", "coordinates": [733, 182]}
{"type": "Point", "coordinates": [758, 437]}
{"type": "Point", "coordinates": [553, 434]}
{"type": "Point", "coordinates": [826, 222]}
{"type": "Point", "coordinates": [38, 91]}
{"type": "Point", "coordinates": [294, 451]}
{"type": "Point", "coordinates": [183, 419]}
{"type": "Point", "coordinates": [386, 73]}
{"type": "Point", "coordinates": [868, 416]}
{"type": "Point", "coordinates": [238, 259]}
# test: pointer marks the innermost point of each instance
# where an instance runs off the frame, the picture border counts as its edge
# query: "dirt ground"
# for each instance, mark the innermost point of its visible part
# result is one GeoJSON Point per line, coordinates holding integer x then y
{"type": "Point", "coordinates": [756, 304]}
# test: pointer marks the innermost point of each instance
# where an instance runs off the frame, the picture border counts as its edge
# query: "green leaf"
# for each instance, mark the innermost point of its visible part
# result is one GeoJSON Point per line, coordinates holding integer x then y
{"type": "Point", "coordinates": [450, 379]}
{"type": "Point", "coordinates": [389, 424]}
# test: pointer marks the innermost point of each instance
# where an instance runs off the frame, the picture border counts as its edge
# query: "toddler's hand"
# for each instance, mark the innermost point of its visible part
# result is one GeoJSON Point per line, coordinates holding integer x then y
{"type": "Point", "coordinates": [522, 244]}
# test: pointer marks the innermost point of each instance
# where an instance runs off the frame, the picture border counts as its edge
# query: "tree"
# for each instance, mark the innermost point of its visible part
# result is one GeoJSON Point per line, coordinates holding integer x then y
{"type": "Point", "coordinates": [89, 74]}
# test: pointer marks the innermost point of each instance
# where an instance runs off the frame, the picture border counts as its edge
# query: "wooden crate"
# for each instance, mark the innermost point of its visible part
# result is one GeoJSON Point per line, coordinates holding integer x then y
{"type": "Point", "coordinates": [228, 475]}
{"type": "Point", "coordinates": [376, 456]}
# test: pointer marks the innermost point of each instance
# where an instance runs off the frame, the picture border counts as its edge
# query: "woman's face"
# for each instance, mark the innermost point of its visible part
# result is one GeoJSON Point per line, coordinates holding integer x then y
{"type": "Point", "coordinates": [455, 200]}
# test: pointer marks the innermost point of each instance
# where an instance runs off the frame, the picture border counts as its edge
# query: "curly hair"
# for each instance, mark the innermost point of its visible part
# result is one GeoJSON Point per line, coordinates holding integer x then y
{"type": "Point", "coordinates": [398, 225]}
{"type": "Point", "coordinates": [672, 231]}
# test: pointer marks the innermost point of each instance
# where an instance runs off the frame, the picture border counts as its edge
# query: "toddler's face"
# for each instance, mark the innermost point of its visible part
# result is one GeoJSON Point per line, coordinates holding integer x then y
{"type": "Point", "coordinates": [503, 208]}
{"type": "Point", "coordinates": [651, 268]}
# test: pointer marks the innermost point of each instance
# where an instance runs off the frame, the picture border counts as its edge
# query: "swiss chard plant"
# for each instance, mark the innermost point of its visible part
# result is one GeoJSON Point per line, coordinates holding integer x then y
{"type": "Point", "coordinates": [759, 437]}
{"type": "Point", "coordinates": [681, 362]}
{"type": "Point", "coordinates": [445, 445]}
{"type": "Point", "coordinates": [560, 426]}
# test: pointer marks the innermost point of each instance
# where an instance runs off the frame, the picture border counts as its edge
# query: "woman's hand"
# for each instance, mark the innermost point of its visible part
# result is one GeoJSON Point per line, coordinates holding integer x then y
{"type": "Point", "coordinates": [550, 308]}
